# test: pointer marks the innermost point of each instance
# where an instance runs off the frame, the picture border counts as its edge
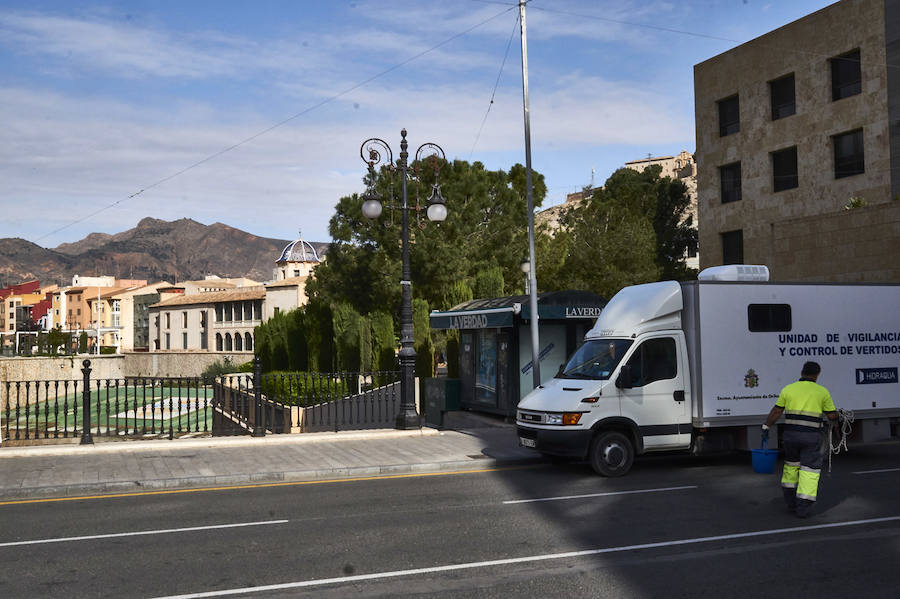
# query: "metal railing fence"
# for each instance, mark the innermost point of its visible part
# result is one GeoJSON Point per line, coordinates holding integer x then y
{"type": "Point", "coordinates": [129, 407]}
{"type": "Point", "coordinates": [164, 407]}
{"type": "Point", "coordinates": [306, 402]}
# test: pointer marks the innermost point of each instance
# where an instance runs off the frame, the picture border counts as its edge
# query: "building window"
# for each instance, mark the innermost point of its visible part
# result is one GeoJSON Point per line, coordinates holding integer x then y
{"type": "Point", "coordinates": [248, 342]}
{"type": "Point", "coordinates": [218, 341]}
{"type": "Point", "coordinates": [846, 75]}
{"type": "Point", "coordinates": [733, 247]}
{"type": "Point", "coordinates": [783, 100]}
{"type": "Point", "coordinates": [168, 341]}
{"type": "Point", "coordinates": [729, 116]}
{"type": "Point", "coordinates": [849, 156]}
{"type": "Point", "coordinates": [784, 169]}
{"type": "Point", "coordinates": [168, 320]}
{"type": "Point", "coordinates": [238, 342]}
{"type": "Point", "coordinates": [184, 320]}
{"type": "Point", "coordinates": [184, 341]}
{"type": "Point", "coordinates": [730, 179]}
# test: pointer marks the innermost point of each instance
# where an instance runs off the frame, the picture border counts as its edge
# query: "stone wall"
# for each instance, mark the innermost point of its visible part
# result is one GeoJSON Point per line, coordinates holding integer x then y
{"type": "Point", "coordinates": [178, 363]}
{"type": "Point", "coordinates": [850, 246]}
{"type": "Point", "coordinates": [162, 364]}
{"type": "Point", "coordinates": [113, 367]}
{"type": "Point", "coordinates": [66, 368]}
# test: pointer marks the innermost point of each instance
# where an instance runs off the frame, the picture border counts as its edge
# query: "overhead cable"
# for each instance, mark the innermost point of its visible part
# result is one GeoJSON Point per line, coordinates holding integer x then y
{"type": "Point", "coordinates": [281, 123]}
{"type": "Point", "coordinates": [496, 83]}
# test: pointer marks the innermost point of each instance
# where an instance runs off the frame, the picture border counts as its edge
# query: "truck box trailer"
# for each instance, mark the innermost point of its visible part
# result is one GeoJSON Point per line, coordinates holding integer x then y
{"type": "Point", "coordinates": [698, 365]}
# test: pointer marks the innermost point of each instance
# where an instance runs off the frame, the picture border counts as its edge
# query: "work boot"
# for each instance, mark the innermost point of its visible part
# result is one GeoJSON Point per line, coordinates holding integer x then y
{"type": "Point", "coordinates": [804, 508]}
{"type": "Point", "coordinates": [790, 498]}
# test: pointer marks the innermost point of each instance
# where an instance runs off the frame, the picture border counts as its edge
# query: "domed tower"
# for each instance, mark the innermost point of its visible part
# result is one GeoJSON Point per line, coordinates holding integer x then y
{"type": "Point", "coordinates": [297, 259]}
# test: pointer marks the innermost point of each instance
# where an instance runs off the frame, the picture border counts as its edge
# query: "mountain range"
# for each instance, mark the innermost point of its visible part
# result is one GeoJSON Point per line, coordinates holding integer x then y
{"type": "Point", "coordinates": [154, 250]}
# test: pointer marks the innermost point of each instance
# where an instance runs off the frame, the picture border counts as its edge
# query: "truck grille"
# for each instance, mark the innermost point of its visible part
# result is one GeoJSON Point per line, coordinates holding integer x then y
{"type": "Point", "coordinates": [525, 417]}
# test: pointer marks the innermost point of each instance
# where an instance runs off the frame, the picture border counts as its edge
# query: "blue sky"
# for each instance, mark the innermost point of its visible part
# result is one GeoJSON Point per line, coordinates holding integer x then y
{"type": "Point", "coordinates": [100, 100]}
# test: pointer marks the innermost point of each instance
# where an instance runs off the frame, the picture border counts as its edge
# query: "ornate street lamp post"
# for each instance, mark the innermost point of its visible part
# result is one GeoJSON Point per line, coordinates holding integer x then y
{"type": "Point", "coordinates": [372, 151]}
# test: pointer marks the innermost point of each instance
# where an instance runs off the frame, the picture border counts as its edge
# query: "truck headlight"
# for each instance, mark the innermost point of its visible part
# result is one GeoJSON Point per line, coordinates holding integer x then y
{"type": "Point", "coordinates": [565, 419]}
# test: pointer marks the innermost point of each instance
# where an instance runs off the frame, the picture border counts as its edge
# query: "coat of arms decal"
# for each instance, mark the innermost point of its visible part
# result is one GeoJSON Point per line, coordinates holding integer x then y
{"type": "Point", "coordinates": [751, 379]}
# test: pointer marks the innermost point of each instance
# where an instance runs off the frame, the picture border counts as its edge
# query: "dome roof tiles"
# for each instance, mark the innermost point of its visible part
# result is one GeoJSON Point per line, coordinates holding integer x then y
{"type": "Point", "coordinates": [299, 251]}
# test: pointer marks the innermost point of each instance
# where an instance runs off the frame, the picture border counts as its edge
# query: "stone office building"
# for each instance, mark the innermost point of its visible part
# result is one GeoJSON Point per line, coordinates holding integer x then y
{"type": "Point", "coordinates": [798, 147]}
{"type": "Point", "coordinates": [208, 322]}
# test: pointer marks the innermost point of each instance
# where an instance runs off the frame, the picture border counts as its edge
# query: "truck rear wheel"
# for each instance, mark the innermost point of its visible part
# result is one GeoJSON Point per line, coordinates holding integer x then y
{"type": "Point", "coordinates": [612, 454]}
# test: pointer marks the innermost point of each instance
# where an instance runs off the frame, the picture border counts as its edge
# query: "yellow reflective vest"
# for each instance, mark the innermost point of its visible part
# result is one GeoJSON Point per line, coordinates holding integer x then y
{"type": "Point", "coordinates": [803, 403]}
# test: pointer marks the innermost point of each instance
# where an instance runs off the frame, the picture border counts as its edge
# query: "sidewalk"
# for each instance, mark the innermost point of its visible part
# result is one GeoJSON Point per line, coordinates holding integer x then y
{"type": "Point", "coordinates": [476, 442]}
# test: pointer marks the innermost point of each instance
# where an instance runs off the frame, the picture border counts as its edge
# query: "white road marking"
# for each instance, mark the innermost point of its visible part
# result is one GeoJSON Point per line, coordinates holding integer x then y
{"type": "Point", "coordinates": [511, 501]}
{"type": "Point", "coordinates": [142, 532]}
{"type": "Point", "coordinates": [518, 560]}
{"type": "Point", "coordinates": [878, 471]}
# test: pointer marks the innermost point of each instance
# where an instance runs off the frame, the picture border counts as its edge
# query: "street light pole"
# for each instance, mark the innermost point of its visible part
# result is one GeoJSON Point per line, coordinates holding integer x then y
{"type": "Point", "coordinates": [408, 417]}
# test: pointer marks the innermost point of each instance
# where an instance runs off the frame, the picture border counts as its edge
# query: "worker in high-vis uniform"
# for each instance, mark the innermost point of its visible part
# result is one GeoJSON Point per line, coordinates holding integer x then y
{"type": "Point", "coordinates": [803, 404]}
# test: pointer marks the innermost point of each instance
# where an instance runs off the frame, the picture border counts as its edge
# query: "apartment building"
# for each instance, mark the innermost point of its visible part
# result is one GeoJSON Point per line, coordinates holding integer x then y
{"type": "Point", "coordinates": [86, 306]}
{"type": "Point", "coordinates": [798, 149]}
{"type": "Point", "coordinates": [8, 308]}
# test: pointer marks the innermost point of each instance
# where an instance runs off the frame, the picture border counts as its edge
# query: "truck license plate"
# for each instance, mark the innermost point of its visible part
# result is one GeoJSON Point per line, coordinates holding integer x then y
{"type": "Point", "coordinates": [527, 442]}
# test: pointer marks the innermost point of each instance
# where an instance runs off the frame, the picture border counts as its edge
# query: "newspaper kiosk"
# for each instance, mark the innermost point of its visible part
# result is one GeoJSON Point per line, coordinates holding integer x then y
{"type": "Point", "coordinates": [495, 357]}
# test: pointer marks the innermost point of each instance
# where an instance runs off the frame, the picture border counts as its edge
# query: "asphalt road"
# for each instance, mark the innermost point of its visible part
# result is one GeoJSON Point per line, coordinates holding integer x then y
{"type": "Point", "coordinates": [674, 527]}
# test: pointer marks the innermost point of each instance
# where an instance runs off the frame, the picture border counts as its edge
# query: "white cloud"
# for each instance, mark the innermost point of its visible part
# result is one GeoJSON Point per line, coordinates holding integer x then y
{"type": "Point", "coordinates": [67, 154]}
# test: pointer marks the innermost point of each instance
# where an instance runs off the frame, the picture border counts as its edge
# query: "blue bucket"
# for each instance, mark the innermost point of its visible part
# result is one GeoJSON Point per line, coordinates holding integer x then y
{"type": "Point", "coordinates": [764, 459]}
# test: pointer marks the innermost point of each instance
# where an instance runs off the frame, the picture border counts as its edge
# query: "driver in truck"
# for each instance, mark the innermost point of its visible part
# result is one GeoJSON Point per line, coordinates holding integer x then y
{"type": "Point", "coordinates": [803, 403]}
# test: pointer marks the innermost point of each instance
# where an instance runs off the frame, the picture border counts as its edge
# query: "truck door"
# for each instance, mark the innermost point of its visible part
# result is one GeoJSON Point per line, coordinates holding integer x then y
{"type": "Point", "coordinates": [656, 399]}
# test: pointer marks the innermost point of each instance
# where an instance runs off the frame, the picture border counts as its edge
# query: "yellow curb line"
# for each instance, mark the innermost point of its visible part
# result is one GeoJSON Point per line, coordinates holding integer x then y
{"type": "Point", "coordinates": [260, 485]}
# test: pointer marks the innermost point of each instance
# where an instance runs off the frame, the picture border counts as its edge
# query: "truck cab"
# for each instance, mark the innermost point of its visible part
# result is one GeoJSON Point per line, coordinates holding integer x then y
{"type": "Point", "coordinates": [625, 391]}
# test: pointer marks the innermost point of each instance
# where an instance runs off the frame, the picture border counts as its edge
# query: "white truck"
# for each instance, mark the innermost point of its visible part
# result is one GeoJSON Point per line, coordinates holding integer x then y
{"type": "Point", "coordinates": [698, 365]}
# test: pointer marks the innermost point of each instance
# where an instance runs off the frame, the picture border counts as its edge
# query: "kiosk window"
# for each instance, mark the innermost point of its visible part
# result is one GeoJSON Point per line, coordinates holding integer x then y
{"type": "Point", "coordinates": [769, 318]}
{"type": "Point", "coordinates": [654, 360]}
{"type": "Point", "coordinates": [486, 368]}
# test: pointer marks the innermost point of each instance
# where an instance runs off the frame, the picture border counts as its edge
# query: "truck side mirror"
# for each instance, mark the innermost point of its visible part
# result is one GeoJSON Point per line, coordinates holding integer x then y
{"type": "Point", "coordinates": [623, 381]}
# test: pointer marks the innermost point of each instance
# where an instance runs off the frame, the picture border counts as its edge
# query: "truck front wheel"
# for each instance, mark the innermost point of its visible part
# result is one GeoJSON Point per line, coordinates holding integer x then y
{"type": "Point", "coordinates": [612, 454]}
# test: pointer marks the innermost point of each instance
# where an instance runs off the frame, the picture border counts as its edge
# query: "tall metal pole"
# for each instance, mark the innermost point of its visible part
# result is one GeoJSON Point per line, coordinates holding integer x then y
{"type": "Point", "coordinates": [529, 194]}
{"type": "Point", "coordinates": [408, 418]}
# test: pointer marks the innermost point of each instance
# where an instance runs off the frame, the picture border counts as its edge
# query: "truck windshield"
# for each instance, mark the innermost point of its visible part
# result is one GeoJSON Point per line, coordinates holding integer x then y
{"type": "Point", "coordinates": [596, 359]}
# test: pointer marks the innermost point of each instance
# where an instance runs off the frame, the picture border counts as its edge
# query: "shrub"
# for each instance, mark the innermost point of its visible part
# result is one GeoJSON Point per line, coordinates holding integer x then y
{"type": "Point", "coordinates": [217, 369]}
{"type": "Point", "coordinates": [305, 388]}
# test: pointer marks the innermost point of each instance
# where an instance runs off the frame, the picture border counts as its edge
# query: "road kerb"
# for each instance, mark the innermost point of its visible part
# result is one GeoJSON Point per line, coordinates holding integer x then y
{"type": "Point", "coordinates": [231, 480]}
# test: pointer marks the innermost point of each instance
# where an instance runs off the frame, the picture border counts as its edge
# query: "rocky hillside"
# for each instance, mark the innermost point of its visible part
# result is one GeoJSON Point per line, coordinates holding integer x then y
{"type": "Point", "coordinates": [153, 250]}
